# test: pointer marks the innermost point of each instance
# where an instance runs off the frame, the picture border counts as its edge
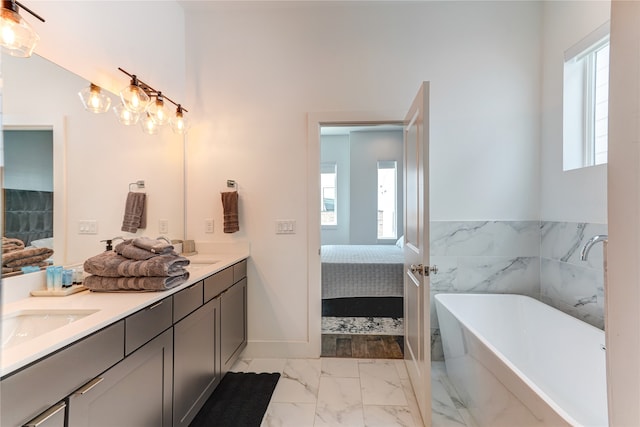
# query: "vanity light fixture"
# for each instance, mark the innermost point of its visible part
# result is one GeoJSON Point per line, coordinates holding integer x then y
{"type": "Point", "coordinates": [94, 99]}
{"type": "Point", "coordinates": [153, 114]}
{"type": "Point", "coordinates": [17, 38]}
{"type": "Point", "coordinates": [126, 116]}
{"type": "Point", "coordinates": [134, 97]}
{"type": "Point", "coordinates": [179, 123]}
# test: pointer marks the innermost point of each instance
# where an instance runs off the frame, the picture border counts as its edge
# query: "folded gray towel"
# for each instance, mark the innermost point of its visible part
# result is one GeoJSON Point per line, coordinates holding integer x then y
{"type": "Point", "coordinates": [110, 264]}
{"type": "Point", "coordinates": [128, 250]}
{"type": "Point", "coordinates": [156, 246]}
{"type": "Point", "coordinates": [135, 212]}
{"type": "Point", "coordinates": [129, 284]}
{"type": "Point", "coordinates": [23, 257]}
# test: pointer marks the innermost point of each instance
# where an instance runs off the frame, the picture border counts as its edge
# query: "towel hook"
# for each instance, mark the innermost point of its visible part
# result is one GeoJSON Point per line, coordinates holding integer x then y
{"type": "Point", "coordinates": [139, 184]}
{"type": "Point", "coordinates": [232, 184]}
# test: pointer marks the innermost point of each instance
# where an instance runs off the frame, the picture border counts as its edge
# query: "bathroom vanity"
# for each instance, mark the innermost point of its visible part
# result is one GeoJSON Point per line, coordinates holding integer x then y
{"type": "Point", "coordinates": [143, 359]}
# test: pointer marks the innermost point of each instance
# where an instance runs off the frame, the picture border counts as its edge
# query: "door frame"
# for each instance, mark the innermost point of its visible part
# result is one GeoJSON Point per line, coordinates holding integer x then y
{"type": "Point", "coordinates": [315, 121]}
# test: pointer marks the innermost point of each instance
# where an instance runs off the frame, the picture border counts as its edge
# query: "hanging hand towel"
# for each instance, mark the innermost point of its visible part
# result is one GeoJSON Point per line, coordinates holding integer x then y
{"type": "Point", "coordinates": [230, 208]}
{"type": "Point", "coordinates": [135, 212]}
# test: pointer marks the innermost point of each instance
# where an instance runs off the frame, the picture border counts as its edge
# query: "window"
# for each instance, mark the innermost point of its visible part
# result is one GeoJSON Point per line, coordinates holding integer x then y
{"type": "Point", "coordinates": [586, 101]}
{"type": "Point", "coordinates": [387, 200]}
{"type": "Point", "coordinates": [328, 181]}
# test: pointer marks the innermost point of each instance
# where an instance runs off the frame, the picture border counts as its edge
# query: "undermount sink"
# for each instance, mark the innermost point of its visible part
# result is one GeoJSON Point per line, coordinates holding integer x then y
{"type": "Point", "coordinates": [201, 264]}
{"type": "Point", "coordinates": [25, 325]}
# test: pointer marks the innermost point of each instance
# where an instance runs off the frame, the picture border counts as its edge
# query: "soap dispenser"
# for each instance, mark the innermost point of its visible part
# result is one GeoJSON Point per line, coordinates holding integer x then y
{"type": "Point", "coordinates": [109, 243]}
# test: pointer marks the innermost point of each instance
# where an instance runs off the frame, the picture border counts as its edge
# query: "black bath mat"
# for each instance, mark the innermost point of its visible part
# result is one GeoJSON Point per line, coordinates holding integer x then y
{"type": "Point", "coordinates": [241, 399]}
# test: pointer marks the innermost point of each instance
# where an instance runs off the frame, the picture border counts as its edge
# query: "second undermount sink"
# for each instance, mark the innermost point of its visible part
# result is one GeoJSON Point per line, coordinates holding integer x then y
{"type": "Point", "coordinates": [25, 325]}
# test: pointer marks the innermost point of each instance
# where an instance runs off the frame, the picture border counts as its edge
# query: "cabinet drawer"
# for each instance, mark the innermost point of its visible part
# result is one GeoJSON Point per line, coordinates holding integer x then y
{"type": "Point", "coordinates": [187, 300]}
{"type": "Point", "coordinates": [239, 271]}
{"type": "Point", "coordinates": [217, 283]}
{"type": "Point", "coordinates": [142, 326]}
{"type": "Point", "coordinates": [32, 390]}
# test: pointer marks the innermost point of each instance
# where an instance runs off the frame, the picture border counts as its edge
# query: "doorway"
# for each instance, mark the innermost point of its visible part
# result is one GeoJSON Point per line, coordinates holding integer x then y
{"type": "Point", "coordinates": [361, 235]}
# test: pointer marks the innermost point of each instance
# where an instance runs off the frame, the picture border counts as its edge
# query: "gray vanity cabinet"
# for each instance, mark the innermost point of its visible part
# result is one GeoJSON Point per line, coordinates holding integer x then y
{"type": "Point", "coordinates": [34, 393]}
{"type": "Point", "coordinates": [196, 371]}
{"type": "Point", "coordinates": [135, 392]}
{"type": "Point", "coordinates": [233, 323]}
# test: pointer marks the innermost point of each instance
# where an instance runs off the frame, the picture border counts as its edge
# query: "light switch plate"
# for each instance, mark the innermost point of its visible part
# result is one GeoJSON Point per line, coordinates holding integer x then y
{"type": "Point", "coordinates": [163, 226]}
{"type": "Point", "coordinates": [88, 226]}
{"type": "Point", "coordinates": [286, 226]}
{"type": "Point", "coordinates": [208, 225]}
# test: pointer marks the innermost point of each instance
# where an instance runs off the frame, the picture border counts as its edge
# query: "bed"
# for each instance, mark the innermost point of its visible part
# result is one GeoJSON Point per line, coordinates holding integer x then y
{"type": "Point", "coordinates": [28, 215]}
{"type": "Point", "coordinates": [362, 271]}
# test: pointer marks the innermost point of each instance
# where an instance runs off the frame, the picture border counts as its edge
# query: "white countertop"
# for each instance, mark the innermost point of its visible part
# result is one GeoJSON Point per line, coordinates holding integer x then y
{"type": "Point", "coordinates": [110, 307]}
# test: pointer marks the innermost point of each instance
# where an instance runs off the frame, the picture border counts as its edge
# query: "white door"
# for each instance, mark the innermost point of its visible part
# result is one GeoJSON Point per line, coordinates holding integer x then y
{"type": "Point", "coordinates": [416, 251]}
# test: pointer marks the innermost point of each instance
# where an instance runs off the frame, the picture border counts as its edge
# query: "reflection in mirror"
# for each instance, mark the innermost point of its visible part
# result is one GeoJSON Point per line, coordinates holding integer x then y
{"type": "Point", "coordinates": [28, 199]}
{"type": "Point", "coordinates": [94, 158]}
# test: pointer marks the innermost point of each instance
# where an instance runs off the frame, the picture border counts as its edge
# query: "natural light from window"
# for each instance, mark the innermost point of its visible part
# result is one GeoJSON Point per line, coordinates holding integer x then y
{"type": "Point", "coordinates": [586, 101]}
{"type": "Point", "coordinates": [387, 199]}
{"type": "Point", "coordinates": [328, 205]}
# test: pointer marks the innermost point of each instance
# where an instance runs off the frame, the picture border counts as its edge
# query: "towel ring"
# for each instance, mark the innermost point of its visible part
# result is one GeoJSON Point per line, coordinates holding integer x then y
{"type": "Point", "coordinates": [138, 184]}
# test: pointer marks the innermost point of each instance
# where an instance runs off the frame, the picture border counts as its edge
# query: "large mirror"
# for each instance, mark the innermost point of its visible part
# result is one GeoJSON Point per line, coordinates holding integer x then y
{"type": "Point", "coordinates": [84, 161]}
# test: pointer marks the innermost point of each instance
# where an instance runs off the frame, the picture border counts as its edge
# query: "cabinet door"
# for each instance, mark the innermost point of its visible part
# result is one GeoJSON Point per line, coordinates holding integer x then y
{"type": "Point", "coordinates": [135, 392]}
{"type": "Point", "coordinates": [196, 361]}
{"type": "Point", "coordinates": [233, 323]}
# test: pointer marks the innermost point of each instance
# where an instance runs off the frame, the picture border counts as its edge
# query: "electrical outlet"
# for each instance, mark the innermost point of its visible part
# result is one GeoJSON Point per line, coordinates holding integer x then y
{"type": "Point", "coordinates": [88, 226]}
{"type": "Point", "coordinates": [286, 226]}
{"type": "Point", "coordinates": [163, 226]}
{"type": "Point", "coordinates": [208, 225]}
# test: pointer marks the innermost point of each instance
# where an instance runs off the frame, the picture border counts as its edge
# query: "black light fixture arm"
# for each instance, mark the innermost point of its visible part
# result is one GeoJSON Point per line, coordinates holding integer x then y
{"type": "Point", "coordinates": [151, 91]}
{"type": "Point", "coordinates": [13, 5]}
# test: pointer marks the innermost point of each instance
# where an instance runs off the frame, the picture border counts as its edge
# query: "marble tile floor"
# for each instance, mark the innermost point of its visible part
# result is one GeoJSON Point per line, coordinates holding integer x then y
{"type": "Point", "coordinates": [352, 392]}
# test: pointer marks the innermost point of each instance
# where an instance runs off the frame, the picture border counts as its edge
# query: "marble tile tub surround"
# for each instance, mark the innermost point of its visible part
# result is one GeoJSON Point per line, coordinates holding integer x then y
{"type": "Point", "coordinates": [573, 286]}
{"type": "Point", "coordinates": [536, 258]}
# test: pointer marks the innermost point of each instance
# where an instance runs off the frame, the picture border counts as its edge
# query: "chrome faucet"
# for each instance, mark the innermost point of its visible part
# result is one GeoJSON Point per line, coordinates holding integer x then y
{"type": "Point", "coordinates": [584, 253]}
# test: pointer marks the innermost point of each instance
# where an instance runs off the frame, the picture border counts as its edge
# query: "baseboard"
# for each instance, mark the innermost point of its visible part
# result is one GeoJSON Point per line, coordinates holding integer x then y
{"type": "Point", "coordinates": [282, 350]}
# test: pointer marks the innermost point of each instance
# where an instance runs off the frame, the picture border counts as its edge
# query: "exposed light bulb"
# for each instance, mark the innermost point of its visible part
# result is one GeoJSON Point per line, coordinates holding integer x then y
{"type": "Point", "coordinates": [126, 116]}
{"type": "Point", "coordinates": [17, 38]}
{"type": "Point", "coordinates": [179, 123]}
{"type": "Point", "coordinates": [94, 99]}
{"type": "Point", "coordinates": [148, 125]}
{"type": "Point", "coordinates": [158, 111]}
{"type": "Point", "coordinates": [134, 97]}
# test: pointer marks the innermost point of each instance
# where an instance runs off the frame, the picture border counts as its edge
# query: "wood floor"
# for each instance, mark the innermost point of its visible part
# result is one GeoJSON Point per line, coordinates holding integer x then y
{"type": "Point", "coordinates": [363, 346]}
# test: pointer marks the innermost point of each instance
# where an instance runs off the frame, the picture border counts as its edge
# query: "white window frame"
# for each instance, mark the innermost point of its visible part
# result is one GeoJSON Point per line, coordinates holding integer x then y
{"type": "Point", "coordinates": [579, 101]}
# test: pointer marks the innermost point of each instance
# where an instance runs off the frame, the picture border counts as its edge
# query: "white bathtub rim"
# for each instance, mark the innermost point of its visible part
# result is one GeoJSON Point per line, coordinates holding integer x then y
{"type": "Point", "coordinates": [543, 395]}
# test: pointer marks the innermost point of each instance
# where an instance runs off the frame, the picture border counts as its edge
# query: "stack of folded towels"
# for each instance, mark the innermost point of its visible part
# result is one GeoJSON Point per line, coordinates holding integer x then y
{"type": "Point", "coordinates": [15, 255]}
{"type": "Point", "coordinates": [140, 264]}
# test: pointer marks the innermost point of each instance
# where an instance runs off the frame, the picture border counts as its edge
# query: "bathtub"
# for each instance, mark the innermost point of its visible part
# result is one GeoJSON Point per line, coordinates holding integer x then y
{"type": "Point", "coordinates": [518, 362]}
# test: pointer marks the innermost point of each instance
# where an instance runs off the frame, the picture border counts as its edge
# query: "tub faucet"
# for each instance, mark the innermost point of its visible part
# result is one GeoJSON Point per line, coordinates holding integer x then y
{"type": "Point", "coordinates": [584, 253]}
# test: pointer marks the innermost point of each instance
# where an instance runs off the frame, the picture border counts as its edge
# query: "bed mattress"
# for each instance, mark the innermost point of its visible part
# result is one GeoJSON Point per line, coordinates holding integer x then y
{"type": "Point", "coordinates": [362, 271]}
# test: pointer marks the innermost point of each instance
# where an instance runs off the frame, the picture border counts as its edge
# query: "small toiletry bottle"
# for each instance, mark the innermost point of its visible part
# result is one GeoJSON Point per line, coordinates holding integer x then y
{"type": "Point", "coordinates": [50, 277]}
{"type": "Point", "coordinates": [57, 277]}
{"type": "Point", "coordinates": [78, 274]}
{"type": "Point", "coordinates": [67, 278]}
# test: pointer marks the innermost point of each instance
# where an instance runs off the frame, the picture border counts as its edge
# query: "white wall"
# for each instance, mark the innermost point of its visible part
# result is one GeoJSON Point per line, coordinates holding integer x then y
{"type": "Point", "coordinates": [257, 69]}
{"type": "Point", "coordinates": [94, 38]}
{"type": "Point", "coordinates": [578, 195]}
{"type": "Point", "coordinates": [366, 149]}
{"type": "Point", "coordinates": [28, 157]}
